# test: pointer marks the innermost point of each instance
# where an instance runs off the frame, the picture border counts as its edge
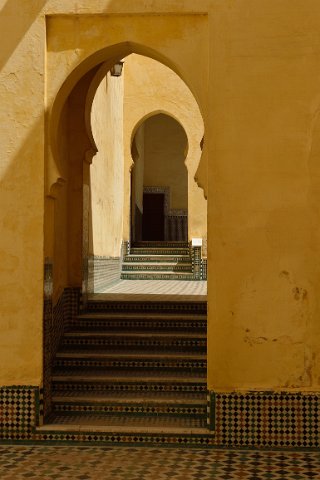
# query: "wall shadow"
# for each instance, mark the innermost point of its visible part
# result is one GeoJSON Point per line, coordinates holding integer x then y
{"type": "Point", "coordinates": [24, 14]}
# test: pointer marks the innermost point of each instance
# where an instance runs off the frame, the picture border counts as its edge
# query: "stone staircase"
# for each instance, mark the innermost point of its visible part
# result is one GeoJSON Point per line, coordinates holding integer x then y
{"type": "Point", "coordinates": [138, 367]}
{"type": "Point", "coordinates": [158, 261]}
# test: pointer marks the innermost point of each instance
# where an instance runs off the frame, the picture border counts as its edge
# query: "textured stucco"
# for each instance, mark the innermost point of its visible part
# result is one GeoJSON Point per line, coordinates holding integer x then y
{"type": "Point", "coordinates": [151, 87]}
{"type": "Point", "coordinates": [254, 69]}
{"type": "Point", "coordinates": [21, 190]}
{"type": "Point", "coordinates": [263, 251]}
{"type": "Point", "coordinates": [106, 171]}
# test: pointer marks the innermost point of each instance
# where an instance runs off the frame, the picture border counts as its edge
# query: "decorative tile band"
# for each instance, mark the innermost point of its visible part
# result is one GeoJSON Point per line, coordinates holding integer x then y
{"type": "Point", "coordinates": [19, 407]}
{"type": "Point", "coordinates": [176, 410]}
{"type": "Point", "coordinates": [267, 419]}
{"type": "Point", "coordinates": [140, 387]}
{"type": "Point", "coordinates": [253, 419]}
{"type": "Point", "coordinates": [196, 262]}
{"type": "Point", "coordinates": [198, 365]}
{"type": "Point", "coordinates": [152, 306]}
{"type": "Point", "coordinates": [102, 272]}
{"type": "Point", "coordinates": [56, 318]}
{"type": "Point", "coordinates": [204, 269]}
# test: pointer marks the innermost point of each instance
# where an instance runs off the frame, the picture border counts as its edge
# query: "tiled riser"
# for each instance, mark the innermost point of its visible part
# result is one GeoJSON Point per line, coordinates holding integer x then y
{"type": "Point", "coordinates": [102, 272]}
{"type": "Point", "coordinates": [132, 410]}
{"type": "Point", "coordinates": [157, 276]}
{"type": "Point", "coordinates": [131, 364]}
{"type": "Point", "coordinates": [142, 326]}
{"type": "Point", "coordinates": [155, 259]}
{"type": "Point", "coordinates": [158, 262]}
{"type": "Point", "coordinates": [160, 251]}
{"type": "Point", "coordinates": [109, 354]}
{"type": "Point", "coordinates": [129, 387]}
{"type": "Point", "coordinates": [155, 268]}
{"type": "Point", "coordinates": [165, 244]}
{"type": "Point", "coordinates": [146, 307]}
{"type": "Point", "coordinates": [176, 344]}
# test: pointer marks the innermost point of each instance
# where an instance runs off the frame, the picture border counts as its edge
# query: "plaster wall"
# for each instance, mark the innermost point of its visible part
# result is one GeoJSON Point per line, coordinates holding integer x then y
{"type": "Point", "coordinates": [264, 224]}
{"type": "Point", "coordinates": [259, 92]}
{"type": "Point", "coordinates": [165, 148]}
{"type": "Point", "coordinates": [107, 168]}
{"type": "Point", "coordinates": [137, 174]}
{"type": "Point", "coordinates": [138, 155]}
{"type": "Point", "coordinates": [21, 191]}
{"type": "Point", "coordinates": [151, 87]}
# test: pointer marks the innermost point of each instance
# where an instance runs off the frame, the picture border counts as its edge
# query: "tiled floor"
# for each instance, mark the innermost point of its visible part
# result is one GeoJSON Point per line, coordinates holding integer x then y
{"type": "Point", "coordinates": [164, 287]}
{"type": "Point", "coordinates": [103, 463]}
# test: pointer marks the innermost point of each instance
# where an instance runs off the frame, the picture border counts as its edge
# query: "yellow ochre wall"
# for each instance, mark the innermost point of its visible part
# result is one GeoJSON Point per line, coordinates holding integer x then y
{"type": "Point", "coordinates": [106, 171]}
{"type": "Point", "coordinates": [150, 87]}
{"type": "Point", "coordinates": [254, 69]}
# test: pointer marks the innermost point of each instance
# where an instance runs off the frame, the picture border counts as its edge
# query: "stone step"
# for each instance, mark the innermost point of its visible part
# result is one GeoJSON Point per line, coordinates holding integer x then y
{"type": "Point", "coordinates": [131, 409]}
{"type": "Point", "coordinates": [113, 363]}
{"type": "Point", "coordinates": [136, 425]}
{"type": "Point", "coordinates": [135, 335]}
{"type": "Point", "coordinates": [133, 366]}
{"type": "Point", "coordinates": [157, 267]}
{"type": "Point", "coordinates": [145, 275]}
{"type": "Point", "coordinates": [139, 360]}
{"type": "Point", "coordinates": [144, 316]}
{"type": "Point", "coordinates": [156, 258]}
{"type": "Point", "coordinates": [138, 322]}
{"type": "Point", "coordinates": [119, 340]}
{"type": "Point", "coordinates": [84, 386]}
{"type": "Point", "coordinates": [140, 356]}
{"type": "Point", "coordinates": [159, 251]}
{"type": "Point", "coordinates": [149, 304]}
{"type": "Point", "coordinates": [132, 403]}
{"type": "Point", "coordinates": [130, 397]}
{"type": "Point", "coordinates": [128, 374]}
{"type": "Point", "coordinates": [160, 244]}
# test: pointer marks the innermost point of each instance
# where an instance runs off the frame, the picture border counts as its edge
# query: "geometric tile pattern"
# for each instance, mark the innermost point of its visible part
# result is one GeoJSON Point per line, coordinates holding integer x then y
{"type": "Point", "coordinates": [102, 272]}
{"type": "Point", "coordinates": [94, 355]}
{"type": "Point", "coordinates": [204, 269]}
{"type": "Point", "coordinates": [92, 463]}
{"type": "Point", "coordinates": [131, 387]}
{"type": "Point", "coordinates": [162, 261]}
{"type": "Point", "coordinates": [183, 276]}
{"type": "Point", "coordinates": [106, 302]}
{"type": "Point", "coordinates": [56, 318]}
{"type": "Point", "coordinates": [114, 408]}
{"type": "Point", "coordinates": [196, 262]}
{"type": "Point", "coordinates": [194, 365]}
{"type": "Point", "coordinates": [17, 410]}
{"type": "Point", "coordinates": [268, 419]}
{"type": "Point", "coordinates": [125, 341]}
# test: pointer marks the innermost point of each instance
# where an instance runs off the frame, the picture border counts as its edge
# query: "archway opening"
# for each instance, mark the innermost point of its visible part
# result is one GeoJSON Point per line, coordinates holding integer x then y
{"type": "Point", "coordinates": [94, 131]}
{"type": "Point", "coordinates": [159, 181]}
{"type": "Point", "coordinates": [95, 134]}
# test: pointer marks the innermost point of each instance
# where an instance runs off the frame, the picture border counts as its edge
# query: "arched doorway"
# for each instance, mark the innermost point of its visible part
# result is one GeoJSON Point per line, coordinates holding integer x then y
{"type": "Point", "coordinates": [159, 181]}
{"type": "Point", "coordinates": [75, 147]}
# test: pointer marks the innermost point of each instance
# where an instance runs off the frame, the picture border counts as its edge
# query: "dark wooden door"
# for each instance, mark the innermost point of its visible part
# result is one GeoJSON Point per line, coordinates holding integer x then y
{"type": "Point", "coordinates": [153, 216]}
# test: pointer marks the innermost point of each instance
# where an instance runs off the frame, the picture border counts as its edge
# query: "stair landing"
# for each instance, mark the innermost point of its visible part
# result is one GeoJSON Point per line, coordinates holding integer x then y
{"type": "Point", "coordinates": [160, 290]}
